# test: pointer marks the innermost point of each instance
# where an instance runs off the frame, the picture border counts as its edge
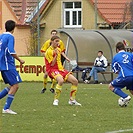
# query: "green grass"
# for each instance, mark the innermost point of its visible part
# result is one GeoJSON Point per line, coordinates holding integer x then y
{"type": "Point", "coordinates": [99, 113]}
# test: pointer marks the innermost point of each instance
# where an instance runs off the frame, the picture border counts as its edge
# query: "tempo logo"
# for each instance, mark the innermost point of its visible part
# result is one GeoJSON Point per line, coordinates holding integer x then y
{"type": "Point", "coordinates": [37, 69]}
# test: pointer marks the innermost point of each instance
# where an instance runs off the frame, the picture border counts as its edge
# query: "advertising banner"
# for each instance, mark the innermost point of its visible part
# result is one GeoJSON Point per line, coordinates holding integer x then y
{"type": "Point", "coordinates": [32, 70]}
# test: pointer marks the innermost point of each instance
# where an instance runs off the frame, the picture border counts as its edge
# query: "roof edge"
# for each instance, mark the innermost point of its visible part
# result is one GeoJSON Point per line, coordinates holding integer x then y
{"type": "Point", "coordinates": [42, 3]}
{"type": "Point", "coordinates": [8, 6]}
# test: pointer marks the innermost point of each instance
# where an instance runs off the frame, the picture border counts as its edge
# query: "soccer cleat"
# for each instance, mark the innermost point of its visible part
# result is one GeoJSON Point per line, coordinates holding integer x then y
{"type": "Point", "coordinates": [8, 111]}
{"type": "Point", "coordinates": [43, 90]}
{"type": "Point", "coordinates": [52, 90]}
{"type": "Point", "coordinates": [74, 102]}
{"type": "Point", "coordinates": [126, 100]}
{"type": "Point", "coordinates": [55, 103]}
{"type": "Point", "coordinates": [86, 81]}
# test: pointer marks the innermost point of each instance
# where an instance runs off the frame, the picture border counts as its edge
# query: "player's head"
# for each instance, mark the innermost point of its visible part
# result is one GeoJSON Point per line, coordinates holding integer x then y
{"type": "Point", "coordinates": [120, 46]}
{"type": "Point", "coordinates": [54, 32]}
{"type": "Point", "coordinates": [55, 41]}
{"type": "Point", "coordinates": [100, 53]}
{"type": "Point", "coordinates": [10, 25]}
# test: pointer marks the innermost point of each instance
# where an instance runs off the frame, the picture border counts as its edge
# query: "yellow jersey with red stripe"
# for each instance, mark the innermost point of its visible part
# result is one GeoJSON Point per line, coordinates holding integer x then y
{"type": "Point", "coordinates": [47, 44]}
{"type": "Point", "coordinates": [49, 56]}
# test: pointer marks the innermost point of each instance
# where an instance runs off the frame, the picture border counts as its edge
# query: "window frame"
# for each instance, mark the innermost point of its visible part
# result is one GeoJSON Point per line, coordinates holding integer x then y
{"type": "Point", "coordinates": [71, 10]}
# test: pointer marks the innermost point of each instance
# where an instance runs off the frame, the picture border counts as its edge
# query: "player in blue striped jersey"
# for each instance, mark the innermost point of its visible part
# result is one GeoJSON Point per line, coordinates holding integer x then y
{"type": "Point", "coordinates": [7, 66]}
{"type": "Point", "coordinates": [122, 64]}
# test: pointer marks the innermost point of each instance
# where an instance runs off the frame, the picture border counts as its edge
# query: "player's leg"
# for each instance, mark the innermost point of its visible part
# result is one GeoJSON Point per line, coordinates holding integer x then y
{"type": "Point", "coordinates": [116, 87]}
{"type": "Point", "coordinates": [12, 78]}
{"type": "Point", "coordinates": [58, 88]}
{"type": "Point", "coordinates": [10, 98]}
{"type": "Point", "coordinates": [4, 92]}
{"type": "Point", "coordinates": [74, 82]}
{"type": "Point", "coordinates": [131, 91]}
{"type": "Point", "coordinates": [117, 90]}
{"type": "Point", "coordinates": [54, 82]}
{"type": "Point", "coordinates": [44, 82]}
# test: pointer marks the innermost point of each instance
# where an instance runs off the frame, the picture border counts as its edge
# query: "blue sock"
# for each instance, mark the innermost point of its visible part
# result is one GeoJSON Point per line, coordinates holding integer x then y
{"type": "Point", "coordinates": [120, 93]}
{"type": "Point", "coordinates": [4, 92]}
{"type": "Point", "coordinates": [8, 101]}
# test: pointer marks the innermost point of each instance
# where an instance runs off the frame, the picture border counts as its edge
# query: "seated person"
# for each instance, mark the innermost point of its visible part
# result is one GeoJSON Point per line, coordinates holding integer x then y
{"type": "Point", "coordinates": [100, 65]}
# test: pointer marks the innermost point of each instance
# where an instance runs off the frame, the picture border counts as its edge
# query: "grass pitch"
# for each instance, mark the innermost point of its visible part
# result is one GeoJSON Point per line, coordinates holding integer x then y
{"type": "Point", "coordinates": [99, 113]}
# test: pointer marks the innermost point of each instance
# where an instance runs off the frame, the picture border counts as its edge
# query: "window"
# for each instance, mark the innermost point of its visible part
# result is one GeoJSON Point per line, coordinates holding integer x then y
{"type": "Point", "coordinates": [72, 14]}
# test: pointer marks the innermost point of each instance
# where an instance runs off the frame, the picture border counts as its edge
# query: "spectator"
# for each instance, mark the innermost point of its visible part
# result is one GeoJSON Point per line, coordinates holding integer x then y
{"type": "Point", "coordinates": [100, 65]}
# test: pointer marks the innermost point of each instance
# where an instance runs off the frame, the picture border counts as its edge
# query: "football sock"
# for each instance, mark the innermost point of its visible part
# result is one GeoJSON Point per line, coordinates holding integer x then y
{"type": "Point", "coordinates": [57, 91]}
{"type": "Point", "coordinates": [120, 93]}
{"type": "Point", "coordinates": [53, 83]}
{"type": "Point", "coordinates": [73, 92]}
{"type": "Point", "coordinates": [4, 92]}
{"type": "Point", "coordinates": [45, 82]}
{"type": "Point", "coordinates": [8, 101]}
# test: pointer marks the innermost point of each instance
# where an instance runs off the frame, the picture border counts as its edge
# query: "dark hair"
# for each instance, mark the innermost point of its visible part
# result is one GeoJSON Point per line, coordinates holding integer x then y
{"type": "Point", "coordinates": [10, 25]}
{"type": "Point", "coordinates": [54, 37]}
{"type": "Point", "coordinates": [100, 51]}
{"type": "Point", "coordinates": [53, 31]}
{"type": "Point", "coordinates": [120, 46]}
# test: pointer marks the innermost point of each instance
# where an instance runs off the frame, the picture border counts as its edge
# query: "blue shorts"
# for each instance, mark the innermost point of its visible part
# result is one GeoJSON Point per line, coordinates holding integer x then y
{"type": "Point", "coordinates": [123, 82]}
{"type": "Point", "coordinates": [11, 77]}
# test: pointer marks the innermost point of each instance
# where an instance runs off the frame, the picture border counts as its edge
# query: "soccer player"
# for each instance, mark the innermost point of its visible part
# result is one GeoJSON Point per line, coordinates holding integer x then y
{"type": "Point", "coordinates": [43, 50]}
{"type": "Point", "coordinates": [56, 71]}
{"type": "Point", "coordinates": [100, 65]}
{"type": "Point", "coordinates": [123, 65]}
{"type": "Point", "coordinates": [7, 66]}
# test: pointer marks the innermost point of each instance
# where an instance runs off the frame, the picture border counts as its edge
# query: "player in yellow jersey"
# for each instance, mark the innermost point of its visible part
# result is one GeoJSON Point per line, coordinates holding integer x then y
{"type": "Point", "coordinates": [56, 71]}
{"type": "Point", "coordinates": [43, 50]}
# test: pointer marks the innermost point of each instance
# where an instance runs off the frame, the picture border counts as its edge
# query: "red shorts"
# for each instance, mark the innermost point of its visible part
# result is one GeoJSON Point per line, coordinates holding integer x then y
{"type": "Point", "coordinates": [53, 73]}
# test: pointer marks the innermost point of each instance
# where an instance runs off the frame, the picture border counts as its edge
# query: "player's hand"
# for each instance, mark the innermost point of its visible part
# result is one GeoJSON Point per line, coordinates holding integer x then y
{"type": "Point", "coordinates": [56, 51]}
{"type": "Point", "coordinates": [68, 59]}
{"type": "Point", "coordinates": [22, 61]}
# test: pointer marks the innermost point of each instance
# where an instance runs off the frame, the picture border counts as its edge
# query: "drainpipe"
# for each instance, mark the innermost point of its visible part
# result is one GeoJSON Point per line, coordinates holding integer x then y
{"type": "Point", "coordinates": [38, 30]}
{"type": "Point", "coordinates": [95, 14]}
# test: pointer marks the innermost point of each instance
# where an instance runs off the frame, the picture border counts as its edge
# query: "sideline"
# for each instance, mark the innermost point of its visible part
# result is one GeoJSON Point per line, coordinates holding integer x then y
{"type": "Point", "coordinates": [120, 131]}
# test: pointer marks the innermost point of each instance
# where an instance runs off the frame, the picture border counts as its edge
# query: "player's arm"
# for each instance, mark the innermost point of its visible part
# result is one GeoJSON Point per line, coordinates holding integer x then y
{"type": "Point", "coordinates": [45, 46]}
{"type": "Point", "coordinates": [51, 56]}
{"type": "Point", "coordinates": [64, 55]}
{"type": "Point", "coordinates": [17, 58]}
{"type": "Point", "coordinates": [55, 54]}
{"type": "Point", "coordinates": [115, 67]}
